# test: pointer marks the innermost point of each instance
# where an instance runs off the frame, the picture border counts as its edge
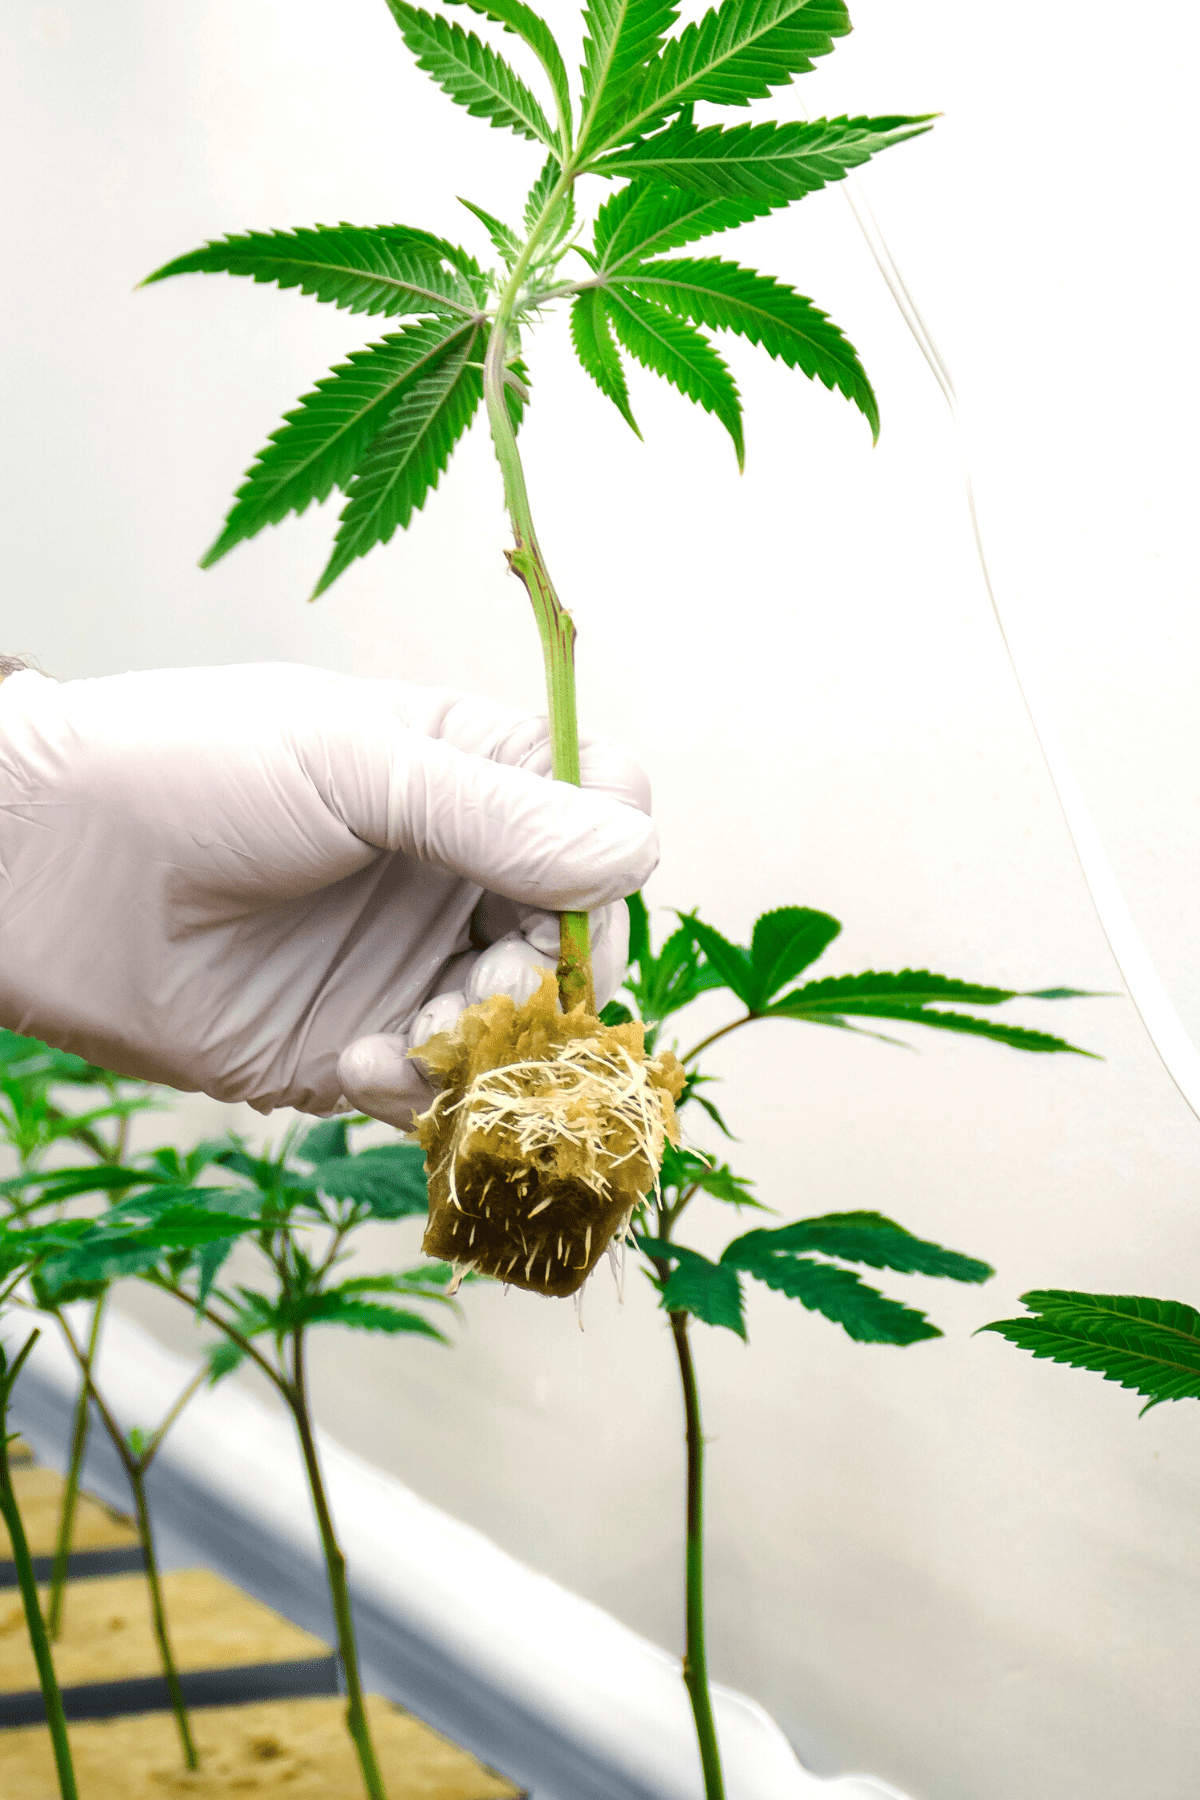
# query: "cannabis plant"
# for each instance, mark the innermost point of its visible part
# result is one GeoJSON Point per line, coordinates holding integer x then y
{"type": "Point", "coordinates": [381, 427]}
{"type": "Point", "coordinates": [298, 1208]}
{"type": "Point", "coordinates": [814, 1260]}
{"type": "Point", "coordinates": [28, 1254]}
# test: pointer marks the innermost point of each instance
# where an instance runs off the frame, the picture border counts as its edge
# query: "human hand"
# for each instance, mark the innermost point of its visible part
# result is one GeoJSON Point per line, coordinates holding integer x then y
{"type": "Point", "coordinates": [225, 878]}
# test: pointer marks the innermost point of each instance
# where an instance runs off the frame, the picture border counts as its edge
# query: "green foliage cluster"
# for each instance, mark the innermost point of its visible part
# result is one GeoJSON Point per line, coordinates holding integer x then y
{"type": "Point", "coordinates": [381, 427]}
{"type": "Point", "coordinates": [806, 1260]}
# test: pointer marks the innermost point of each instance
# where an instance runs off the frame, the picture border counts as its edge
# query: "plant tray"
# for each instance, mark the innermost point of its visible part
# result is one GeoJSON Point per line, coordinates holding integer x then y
{"type": "Point", "coordinates": [228, 1648]}
{"type": "Point", "coordinates": [292, 1749]}
{"type": "Point", "coordinates": [105, 1542]}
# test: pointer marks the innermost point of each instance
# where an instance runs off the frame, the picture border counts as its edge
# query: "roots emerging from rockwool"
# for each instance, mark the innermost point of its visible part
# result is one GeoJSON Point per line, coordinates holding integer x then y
{"type": "Point", "coordinates": [546, 1134]}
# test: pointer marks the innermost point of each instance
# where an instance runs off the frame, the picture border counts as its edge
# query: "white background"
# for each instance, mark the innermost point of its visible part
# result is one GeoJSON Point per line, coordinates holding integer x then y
{"type": "Point", "coordinates": [970, 1573]}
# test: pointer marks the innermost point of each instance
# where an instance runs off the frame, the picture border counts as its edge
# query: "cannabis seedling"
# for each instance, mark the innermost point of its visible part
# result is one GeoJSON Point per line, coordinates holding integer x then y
{"type": "Point", "coordinates": [32, 1124]}
{"type": "Point", "coordinates": [805, 1260]}
{"type": "Point", "coordinates": [29, 1253]}
{"type": "Point", "coordinates": [299, 1209]}
{"type": "Point", "coordinates": [381, 427]}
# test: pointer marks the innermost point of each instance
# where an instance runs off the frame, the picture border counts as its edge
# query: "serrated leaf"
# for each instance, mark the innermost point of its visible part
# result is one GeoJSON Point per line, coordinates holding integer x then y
{"type": "Point", "coordinates": [622, 36]}
{"type": "Point", "coordinates": [731, 963]}
{"type": "Point", "coordinates": [615, 1014]}
{"type": "Point", "coordinates": [767, 162]}
{"type": "Point", "coordinates": [905, 987]}
{"type": "Point", "coordinates": [388, 270]}
{"type": "Point", "coordinates": [320, 445]}
{"type": "Point", "coordinates": [649, 217]}
{"type": "Point", "coordinates": [1152, 1346]}
{"type": "Point", "coordinates": [639, 928]}
{"type": "Point", "coordinates": [709, 1291]}
{"type": "Point", "coordinates": [861, 1237]}
{"type": "Point", "coordinates": [668, 982]}
{"type": "Point", "coordinates": [562, 216]}
{"type": "Point", "coordinates": [335, 1308]}
{"type": "Point", "coordinates": [865, 1314]}
{"type": "Point", "coordinates": [727, 297]}
{"type": "Point", "coordinates": [666, 345]}
{"type": "Point", "coordinates": [515, 16]}
{"type": "Point", "coordinates": [1015, 1036]}
{"type": "Point", "coordinates": [405, 461]}
{"type": "Point", "coordinates": [389, 1179]}
{"type": "Point", "coordinates": [503, 237]}
{"type": "Point", "coordinates": [471, 72]}
{"type": "Point", "coordinates": [736, 53]}
{"type": "Point", "coordinates": [784, 942]}
{"type": "Point", "coordinates": [592, 337]}
{"type": "Point", "coordinates": [683, 1169]}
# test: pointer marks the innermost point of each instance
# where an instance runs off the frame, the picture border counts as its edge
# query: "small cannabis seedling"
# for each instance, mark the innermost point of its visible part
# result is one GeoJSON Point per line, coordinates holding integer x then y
{"type": "Point", "coordinates": [816, 1260]}
{"type": "Point", "coordinates": [297, 1208]}
{"type": "Point", "coordinates": [381, 428]}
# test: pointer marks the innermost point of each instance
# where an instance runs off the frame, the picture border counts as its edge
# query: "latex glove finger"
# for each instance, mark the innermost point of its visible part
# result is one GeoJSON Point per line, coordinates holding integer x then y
{"type": "Point", "coordinates": [378, 1077]}
{"type": "Point", "coordinates": [502, 734]}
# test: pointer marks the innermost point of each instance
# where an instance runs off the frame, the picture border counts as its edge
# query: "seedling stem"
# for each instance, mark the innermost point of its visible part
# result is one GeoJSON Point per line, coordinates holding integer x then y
{"type": "Point", "coordinates": [48, 1681]}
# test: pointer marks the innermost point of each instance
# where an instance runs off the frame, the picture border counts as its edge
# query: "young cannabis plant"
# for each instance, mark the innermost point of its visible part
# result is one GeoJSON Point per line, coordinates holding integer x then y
{"type": "Point", "coordinates": [29, 1253]}
{"type": "Point", "coordinates": [298, 1208]}
{"type": "Point", "coordinates": [814, 1261]}
{"type": "Point", "coordinates": [381, 427]}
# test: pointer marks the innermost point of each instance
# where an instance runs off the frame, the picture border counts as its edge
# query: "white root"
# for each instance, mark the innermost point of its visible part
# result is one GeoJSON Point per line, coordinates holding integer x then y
{"type": "Point", "coordinates": [576, 1099]}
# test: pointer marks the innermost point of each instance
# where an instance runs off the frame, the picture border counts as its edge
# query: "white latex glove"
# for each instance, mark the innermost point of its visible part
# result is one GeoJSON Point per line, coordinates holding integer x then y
{"type": "Point", "coordinates": [224, 878]}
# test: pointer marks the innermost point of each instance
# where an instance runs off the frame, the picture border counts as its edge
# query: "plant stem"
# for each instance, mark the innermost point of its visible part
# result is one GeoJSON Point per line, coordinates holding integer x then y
{"type": "Point", "coordinates": [296, 1393]}
{"type": "Point", "coordinates": [555, 626]}
{"type": "Point", "coordinates": [135, 1468]}
{"type": "Point", "coordinates": [48, 1681]}
{"type": "Point", "coordinates": [137, 1481]}
{"type": "Point", "coordinates": [70, 1499]}
{"type": "Point", "coordinates": [712, 1037]}
{"type": "Point", "coordinates": [695, 1661]}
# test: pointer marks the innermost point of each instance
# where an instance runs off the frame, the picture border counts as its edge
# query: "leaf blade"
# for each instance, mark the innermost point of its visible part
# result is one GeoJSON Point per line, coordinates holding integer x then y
{"type": "Point", "coordinates": [515, 16]}
{"type": "Point", "coordinates": [406, 459]}
{"type": "Point", "coordinates": [1149, 1345]}
{"type": "Point", "coordinates": [471, 73]}
{"type": "Point", "coordinates": [777, 163]}
{"type": "Point", "coordinates": [320, 444]}
{"type": "Point", "coordinates": [736, 53]}
{"type": "Point", "coordinates": [592, 338]}
{"type": "Point", "coordinates": [383, 269]}
{"type": "Point", "coordinates": [727, 297]}
{"type": "Point", "coordinates": [862, 1237]}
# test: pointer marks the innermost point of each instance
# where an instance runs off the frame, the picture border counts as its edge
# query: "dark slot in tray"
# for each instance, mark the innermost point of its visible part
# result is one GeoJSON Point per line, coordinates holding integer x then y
{"type": "Point", "coordinates": [306, 1679]}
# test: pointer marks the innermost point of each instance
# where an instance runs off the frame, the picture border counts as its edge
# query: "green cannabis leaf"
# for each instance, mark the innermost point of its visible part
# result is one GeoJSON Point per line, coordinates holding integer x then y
{"type": "Point", "coordinates": [382, 426]}
{"type": "Point", "coordinates": [1152, 1346]}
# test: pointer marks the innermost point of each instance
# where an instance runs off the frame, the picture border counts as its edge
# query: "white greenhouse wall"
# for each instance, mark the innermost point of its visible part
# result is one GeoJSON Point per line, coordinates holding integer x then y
{"type": "Point", "coordinates": [970, 1574]}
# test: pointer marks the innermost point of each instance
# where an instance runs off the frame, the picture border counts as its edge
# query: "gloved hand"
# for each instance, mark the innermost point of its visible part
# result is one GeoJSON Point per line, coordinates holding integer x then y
{"type": "Point", "coordinates": [228, 879]}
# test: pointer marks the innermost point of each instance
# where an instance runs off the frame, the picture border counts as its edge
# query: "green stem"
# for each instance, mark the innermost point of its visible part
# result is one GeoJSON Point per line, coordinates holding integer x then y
{"type": "Point", "coordinates": [357, 1725]}
{"type": "Point", "coordinates": [556, 628]}
{"type": "Point", "coordinates": [712, 1037]}
{"type": "Point", "coordinates": [70, 1499]}
{"type": "Point", "coordinates": [48, 1681]}
{"type": "Point", "coordinates": [695, 1661]}
{"type": "Point", "coordinates": [135, 1468]}
{"type": "Point", "coordinates": [137, 1481]}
